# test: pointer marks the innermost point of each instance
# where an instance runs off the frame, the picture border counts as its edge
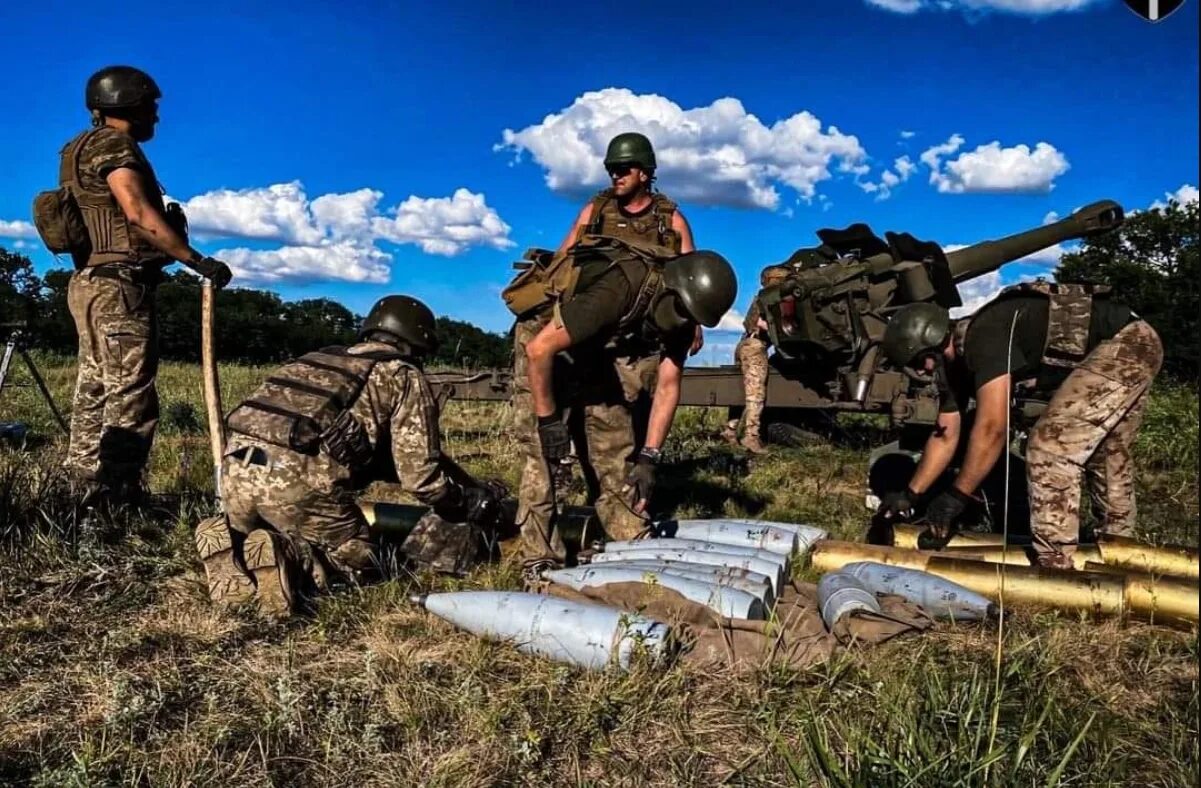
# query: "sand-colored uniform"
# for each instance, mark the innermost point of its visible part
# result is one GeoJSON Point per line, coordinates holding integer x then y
{"type": "Point", "coordinates": [307, 495]}
{"type": "Point", "coordinates": [116, 409]}
{"type": "Point", "coordinates": [1097, 360]}
{"type": "Point", "coordinates": [604, 379]}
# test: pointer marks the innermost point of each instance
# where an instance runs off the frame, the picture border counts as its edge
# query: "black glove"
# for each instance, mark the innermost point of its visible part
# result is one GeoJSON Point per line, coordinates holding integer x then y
{"type": "Point", "coordinates": [944, 511]}
{"type": "Point", "coordinates": [898, 504]}
{"type": "Point", "coordinates": [556, 443]}
{"type": "Point", "coordinates": [482, 502]}
{"type": "Point", "coordinates": [640, 483]}
{"type": "Point", "coordinates": [213, 270]}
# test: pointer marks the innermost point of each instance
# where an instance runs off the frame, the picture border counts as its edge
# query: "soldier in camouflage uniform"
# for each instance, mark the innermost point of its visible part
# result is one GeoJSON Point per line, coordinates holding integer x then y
{"type": "Point", "coordinates": [320, 428]}
{"type": "Point", "coordinates": [1095, 358]}
{"type": "Point", "coordinates": [131, 235]}
{"type": "Point", "coordinates": [629, 210]}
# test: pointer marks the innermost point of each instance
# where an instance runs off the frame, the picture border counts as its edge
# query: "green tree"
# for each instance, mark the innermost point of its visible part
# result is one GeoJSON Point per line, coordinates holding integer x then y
{"type": "Point", "coordinates": [1152, 263]}
{"type": "Point", "coordinates": [19, 287]}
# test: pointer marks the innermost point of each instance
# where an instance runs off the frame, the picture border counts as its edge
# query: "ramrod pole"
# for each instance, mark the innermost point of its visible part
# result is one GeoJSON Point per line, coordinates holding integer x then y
{"type": "Point", "coordinates": [212, 383]}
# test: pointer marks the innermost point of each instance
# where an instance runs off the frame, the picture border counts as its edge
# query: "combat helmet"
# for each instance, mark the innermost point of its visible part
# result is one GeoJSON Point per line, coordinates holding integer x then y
{"type": "Point", "coordinates": [120, 87]}
{"type": "Point", "coordinates": [915, 329]}
{"type": "Point", "coordinates": [406, 319]}
{"type": "Point", "coordinates": [703, 284]}
{"type": "Point", "coordinates": [631, 148]}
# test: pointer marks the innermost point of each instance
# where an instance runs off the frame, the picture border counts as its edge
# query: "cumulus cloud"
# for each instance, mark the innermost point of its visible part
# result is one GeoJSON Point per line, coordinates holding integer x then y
{"type": "Point", "coordinates": [17, 229]}
{"type": "Point", "coordinates": [977, 292]}
{"type": "Point", "coordinates": [731, 321]}
{"type": "Point", "coordinates": [907, 134]}
{"type": "Point", "coordinates": [336, 236]}
{"type": "Point", "coordinates": [718, 154]}
{"type": "Point", "coordinates": [344, 261]}
{"type": "Point", "coordinates": [1027, 7]}
{"type": "Point", "coordinates": [993, 169]}
{"type": "Point", "coordinates": [901, 171]}
{"type": "Point", "coordinates": [1186, 194]}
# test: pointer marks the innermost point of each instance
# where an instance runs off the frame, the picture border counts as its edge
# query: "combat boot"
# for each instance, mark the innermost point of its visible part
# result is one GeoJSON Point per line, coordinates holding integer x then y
{"type": "Point", "coordinates": [269, 566]}
{"type": "Point", "coordinates": [228, 585]}
{"type": "Point", "coordinates": [751, 443]}
{"type": "Point", "coordinates": [729, 433]}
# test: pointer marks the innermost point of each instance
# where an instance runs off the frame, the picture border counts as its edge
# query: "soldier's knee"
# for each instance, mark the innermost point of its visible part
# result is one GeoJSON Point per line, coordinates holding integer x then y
{"type": "Point", "coordinates": [357, 555]}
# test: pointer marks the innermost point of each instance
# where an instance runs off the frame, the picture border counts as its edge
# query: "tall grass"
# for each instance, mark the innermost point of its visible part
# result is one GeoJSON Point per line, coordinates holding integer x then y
{"type": "Point", "coordinates": [114, 669]}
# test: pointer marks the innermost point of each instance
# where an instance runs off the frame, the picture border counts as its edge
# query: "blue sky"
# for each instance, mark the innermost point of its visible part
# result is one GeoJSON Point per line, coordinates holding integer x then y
{"type": "Point", "coordinates": [367, 141]}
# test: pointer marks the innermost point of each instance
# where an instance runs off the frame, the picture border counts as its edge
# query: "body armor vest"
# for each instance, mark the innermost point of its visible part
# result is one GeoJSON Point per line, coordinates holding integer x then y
{"type": "Point", "coordinates": [112, 238]}
{"type": "Point", "coordinates": [1069, 322]}
{"type": "Point", "coordinates": [305, 406]}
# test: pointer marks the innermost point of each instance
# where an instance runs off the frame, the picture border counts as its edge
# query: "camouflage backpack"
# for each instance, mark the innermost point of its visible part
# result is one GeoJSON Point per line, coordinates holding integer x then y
{"type": "Point", "coordinates": [56, 213]}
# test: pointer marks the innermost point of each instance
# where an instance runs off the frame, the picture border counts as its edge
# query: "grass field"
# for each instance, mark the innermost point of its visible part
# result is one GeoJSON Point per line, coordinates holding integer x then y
{"type": "Point", "coordinates": [115, 670]}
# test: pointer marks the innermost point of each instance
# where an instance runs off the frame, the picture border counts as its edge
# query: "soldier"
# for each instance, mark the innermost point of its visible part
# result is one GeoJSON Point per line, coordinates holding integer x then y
{"type": "Point", "coordinates": [629, 210]}
{"type": "Point", "coordinates": [320, 428]}
{"type": "Point", "coordinates": [1094, 356]}
{"type": "Point", "coordinates": [131, 236]}
{"type": "Point", "coordinates": [623, 307]}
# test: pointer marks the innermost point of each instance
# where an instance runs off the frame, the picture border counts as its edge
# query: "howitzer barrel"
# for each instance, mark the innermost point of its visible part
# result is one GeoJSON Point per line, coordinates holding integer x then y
{"type": "Point", "coordinates": [979, 259]}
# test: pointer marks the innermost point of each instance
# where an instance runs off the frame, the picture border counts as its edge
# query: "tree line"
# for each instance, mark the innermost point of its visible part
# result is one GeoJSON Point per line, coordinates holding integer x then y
{"type": "Point", "coordinates": [253, 326]}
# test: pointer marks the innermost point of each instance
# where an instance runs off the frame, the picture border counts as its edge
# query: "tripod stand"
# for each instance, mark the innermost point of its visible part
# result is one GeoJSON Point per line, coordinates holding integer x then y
{"type": "Point", "coordinates": [16, 344]}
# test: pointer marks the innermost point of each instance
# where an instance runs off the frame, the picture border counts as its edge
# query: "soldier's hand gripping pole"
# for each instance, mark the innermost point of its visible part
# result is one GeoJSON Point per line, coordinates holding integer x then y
{"type": "Point", "coordinates": [212, 383]}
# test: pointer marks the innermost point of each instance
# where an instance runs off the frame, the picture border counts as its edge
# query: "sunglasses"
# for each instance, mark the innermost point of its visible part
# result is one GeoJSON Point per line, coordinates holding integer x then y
{"type": "Point", "coordinates": [620, 170]}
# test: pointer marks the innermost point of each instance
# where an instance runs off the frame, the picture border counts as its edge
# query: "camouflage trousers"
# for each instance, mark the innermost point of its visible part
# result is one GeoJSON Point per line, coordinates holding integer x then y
{"type": "Point", "coordinates": [608, 442]}
{"type": "Point", "coordinates": [115, 410]}
{"type": "Point", "coordinates": [751, 355]}
{"type": "Point", "coordinates": [1087, 432]}
{"type": "Point", "coordinates": [303, 499]}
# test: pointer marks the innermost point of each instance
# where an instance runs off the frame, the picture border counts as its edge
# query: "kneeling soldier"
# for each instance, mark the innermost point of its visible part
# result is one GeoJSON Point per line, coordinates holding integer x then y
{"type": "Point", "coordinates": [1096, 359]}
{"type": "Point", "coordinates": [312, 434]}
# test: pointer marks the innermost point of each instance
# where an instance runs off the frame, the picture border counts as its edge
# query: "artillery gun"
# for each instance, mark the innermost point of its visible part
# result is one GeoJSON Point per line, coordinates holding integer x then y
{"type": "Point", "coordinates": [826, 317]}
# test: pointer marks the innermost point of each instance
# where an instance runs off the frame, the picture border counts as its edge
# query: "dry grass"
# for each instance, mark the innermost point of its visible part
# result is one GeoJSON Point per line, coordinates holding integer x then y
{"type": "Point", "coordinates": [115, 670]}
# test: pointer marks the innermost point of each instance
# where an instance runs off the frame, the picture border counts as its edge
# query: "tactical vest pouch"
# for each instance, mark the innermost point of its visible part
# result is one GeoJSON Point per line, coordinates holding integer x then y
{"type": "Point", "coordinates": [305, 407]}
{"type": "Point", "coordinates": [543, 277]}
{"type": "Point", "coordinates": [60, 224]}
{"type": "Point", "coordinates": [1068, 324]}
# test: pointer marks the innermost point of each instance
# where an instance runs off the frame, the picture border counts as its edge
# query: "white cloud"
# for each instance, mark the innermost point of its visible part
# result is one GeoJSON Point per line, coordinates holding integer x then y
{"type": "Point", "coordinates": [718, 154]}
{"type": "Point", "coordinates": [1051, 217]}
{"type": "Point", "coordinates": [975, 293]}
{"type": "Point", "coordinates": [993, 169]}
{"type": "Point", "coordinates": [1028, 7]}
{"type": "Point", "coordinates": [908, 135]}
{"type": "Point", "coordinates": [1184, 195]}
{"type": "Point", "coordinates": [731, 321]}
{"type": "Point", "coordinates": [904, 168]}
{"type": "Point", "coordinates": [444, 225]}
{"type": "Point", "coordinates": [336, 236]}
{"type": "Point", "coordinates": [342, 261]}
{"type": "Point", "coordinates": [17, 229]}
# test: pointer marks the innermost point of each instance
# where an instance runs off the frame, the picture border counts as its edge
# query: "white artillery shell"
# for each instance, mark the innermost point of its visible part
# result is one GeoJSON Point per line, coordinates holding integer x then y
{"type": "Point", "coordinates": [742, 579]}
{"type": "Point", "coordinates": [839, 593]}
{"type": "Point", "coordinates": [698, 546]}
{"type": "Point", "coordinates": [772, 569]}
{"type": "Point", "coordinates": [729, 602]}
{"type": "Point", "coordinates": [806, 534]}
{"type": "Point", "coordinates": [763, 537]}
{"type": "Point", "coordinates": [591, 636]}
{"type": "Point", "coordinates": [938, 597]}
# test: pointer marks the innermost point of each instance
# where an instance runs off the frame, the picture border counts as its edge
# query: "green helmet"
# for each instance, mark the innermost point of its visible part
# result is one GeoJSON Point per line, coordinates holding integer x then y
{"type": "Point", "coordinates": [914, 330]}
{"type": "Point", "coordinates": [120, 87]}
{"type": "Point", "coordinates": [704, 285]}
{"type": "Point", "coordinates": [631, 148]}
{"type": "Point", "coordinates": [406, 319]}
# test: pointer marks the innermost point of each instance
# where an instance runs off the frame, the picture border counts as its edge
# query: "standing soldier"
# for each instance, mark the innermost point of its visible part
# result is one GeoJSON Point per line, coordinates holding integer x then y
{"type": "Point", "coordinates": [131, 236]}
{"type": "Point", "coordinates": [1094, 356]}
{"type": "Point", "coordinates": [320, 428]}
{"type": "Point", "coordinates": [632, 211]}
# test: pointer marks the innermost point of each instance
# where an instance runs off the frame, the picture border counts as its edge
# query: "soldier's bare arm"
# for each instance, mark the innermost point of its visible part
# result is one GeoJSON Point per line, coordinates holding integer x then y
{"type": "Point", "coordinates": [147, 220]}
{"type": "Point", "coordinates": [540, 354]}
{"type": "Point", "coordinates": [988, 433]}
{"type": "Point", "coordinates": [666, 399]}
{"type": "Point", "coordinates": [577, 229]}
{"type": "Point", "coordinates": [940, 448]}
{"type": "Point", "coordinates": [681, 226]}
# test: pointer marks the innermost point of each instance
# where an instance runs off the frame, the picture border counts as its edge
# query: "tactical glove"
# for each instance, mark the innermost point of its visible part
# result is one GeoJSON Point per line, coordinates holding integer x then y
{"type": "Point", "coordinates": [944, 511]}
{"type": "Point", "coordinates": [898, 504]}
{"type": "Point", "coordinates": [482, 502]}
{"type": "Point", "coordinates": [556, 443]}
{"type": "Point", "coordinates": [640, 483]}
{"type": "Point", "coordinates": [214, 270]}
